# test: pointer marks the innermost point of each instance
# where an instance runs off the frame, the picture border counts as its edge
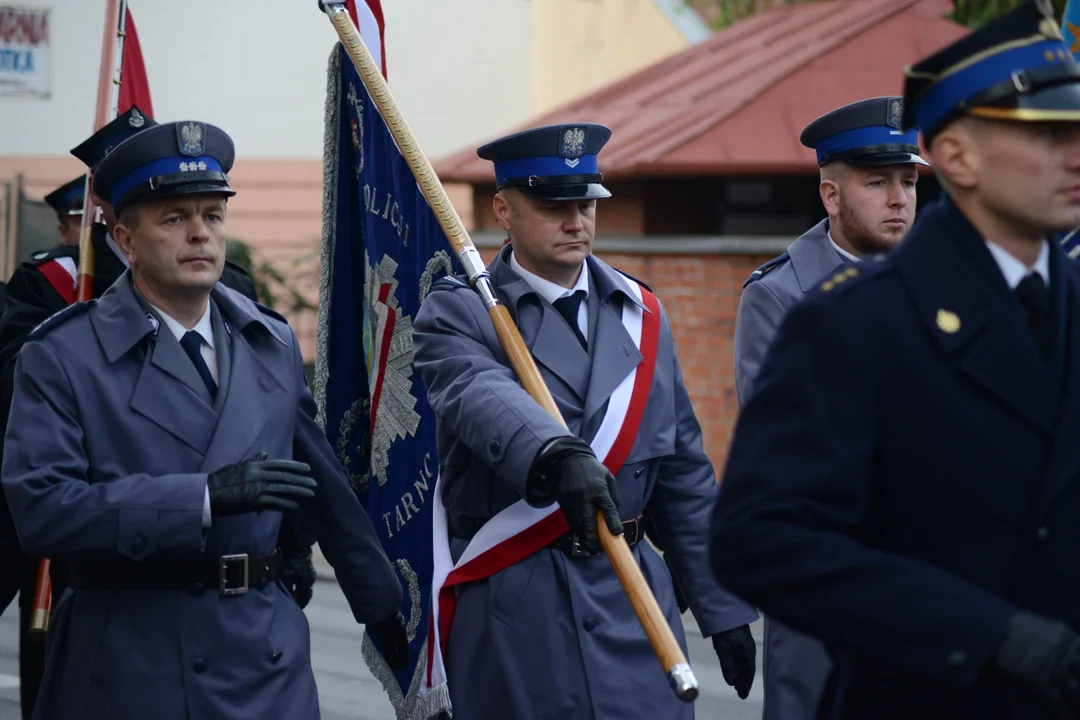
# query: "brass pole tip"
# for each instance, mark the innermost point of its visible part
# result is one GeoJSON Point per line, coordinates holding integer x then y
{"type": "Point", "coordinates": [39, 623]}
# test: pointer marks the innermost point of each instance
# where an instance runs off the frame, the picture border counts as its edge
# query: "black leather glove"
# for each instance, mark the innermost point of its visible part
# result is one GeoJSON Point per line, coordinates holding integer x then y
{"type": "Point", "coordinates": [299, 575]}
{"type": "Point", "coordinates": [392, 640]}
{"type": "Point", "coordinates": [737, 651]}
{"type": "Point", "coordinates": [259, 484]}
{"type": "Point", "coordinates": [299, 570]}
{"type": "Point", "coordinates": [568, 472]}
{"type": "Point", "coordinates": [1044, 655]}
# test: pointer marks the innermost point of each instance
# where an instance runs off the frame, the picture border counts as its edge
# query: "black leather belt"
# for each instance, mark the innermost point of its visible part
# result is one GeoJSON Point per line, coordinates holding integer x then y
{"type": "Point", "coordinates": [230, 574]}
{"type": "Point", "coordinates": [465, 527]}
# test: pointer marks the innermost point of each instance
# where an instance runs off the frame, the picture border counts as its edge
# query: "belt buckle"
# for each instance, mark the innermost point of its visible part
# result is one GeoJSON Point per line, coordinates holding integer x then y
{"type": "Point", "coordinates": [223, 574]}
{"type": "Point", "coordinates": [576, 551]}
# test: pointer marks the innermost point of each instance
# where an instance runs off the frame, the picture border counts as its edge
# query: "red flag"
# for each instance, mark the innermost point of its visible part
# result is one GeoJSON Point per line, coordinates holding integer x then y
{"type": "Point", "coordinates": [367, 15]}
{"type": "Point", "coordinates": [134, 87]}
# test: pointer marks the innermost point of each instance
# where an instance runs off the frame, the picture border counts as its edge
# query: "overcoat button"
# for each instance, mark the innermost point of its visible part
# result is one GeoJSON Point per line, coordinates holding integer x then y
{"type": "Point", "coordinates": [1043, 533]}
{"type": "Point", "coordinates": [274, 657]}
{"type": "Point", "coordinates": [589, 623]}
{"type": "Point", "coordinates": [956, 660]}
{"type": "Point", "coordinates": [199, 665]}
{"type": "Point", "coordinates": [138, 543]}
{"type": "Point", "coordinates": [494, 447]}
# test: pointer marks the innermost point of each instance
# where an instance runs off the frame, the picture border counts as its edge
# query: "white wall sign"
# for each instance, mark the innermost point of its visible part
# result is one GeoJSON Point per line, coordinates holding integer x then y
{"type": "Point", "coordinates": [24, 51]}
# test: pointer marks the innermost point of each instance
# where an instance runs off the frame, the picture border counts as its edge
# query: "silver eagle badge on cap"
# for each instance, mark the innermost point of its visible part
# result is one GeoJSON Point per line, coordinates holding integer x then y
{"type": "Point", "coordinates": [191, 137]}
{"type": "Point", "coordinates": [573, 146]}
{"type": "Point", "coordinates": [896, 114]}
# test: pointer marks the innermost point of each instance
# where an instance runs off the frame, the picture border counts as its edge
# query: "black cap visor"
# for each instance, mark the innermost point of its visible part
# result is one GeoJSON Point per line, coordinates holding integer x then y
{"type": "Point", "coordinates": [144, 194]}
{"type": "Point", "coordinates": [890, 158]}
{"type": "Point", "coordinates": [561, 193]}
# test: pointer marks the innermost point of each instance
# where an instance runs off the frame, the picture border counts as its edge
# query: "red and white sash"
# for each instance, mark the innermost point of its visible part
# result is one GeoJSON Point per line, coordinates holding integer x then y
{"type": "Point", "coordinates": [61, 273]}
{"type": "Point", "coordinates": [518, 531]}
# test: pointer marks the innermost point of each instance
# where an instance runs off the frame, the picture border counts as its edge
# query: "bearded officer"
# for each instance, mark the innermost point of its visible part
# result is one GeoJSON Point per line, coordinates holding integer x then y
{"type": "Point", "coordinates": [552, 634]}
{"type": "Point", "coordinates": [868, 170]}
{"type": "Point", "coordinates": [157, 435]}
{"type": "Point", "coordinates": [903, 482]}
{"type": "Point", "coordinates": [868, 176]}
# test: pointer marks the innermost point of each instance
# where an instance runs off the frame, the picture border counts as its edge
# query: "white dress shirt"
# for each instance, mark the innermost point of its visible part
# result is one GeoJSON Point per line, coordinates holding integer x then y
{"type": "Point", "coordinates": [841, 250]}
{"type": "Point", "coordinates": [205, 329]}
{"type": "Point", "coordinates": [552, 292]}
{"type": "Point", "coordinates": [1015, 271]}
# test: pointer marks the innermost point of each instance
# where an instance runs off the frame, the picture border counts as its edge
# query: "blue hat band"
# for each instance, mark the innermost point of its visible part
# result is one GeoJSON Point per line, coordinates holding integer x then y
{"type": "Point", "coordinates": [166, 166]}
{"type": "Point", "coordinates": [864, 137]}
{"type": "Point", "coordinates": [543, 166]}
{"type": "Point", "coordinates": [942, 98]}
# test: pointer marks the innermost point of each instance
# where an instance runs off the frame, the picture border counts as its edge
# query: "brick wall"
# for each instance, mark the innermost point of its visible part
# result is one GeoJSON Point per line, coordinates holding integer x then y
{"type": "Point", "coordinates": [701, 296]}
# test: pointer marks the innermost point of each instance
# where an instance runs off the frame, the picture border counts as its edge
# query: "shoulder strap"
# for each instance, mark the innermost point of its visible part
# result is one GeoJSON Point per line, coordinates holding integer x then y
{"type": "Point", "coordinates": [767, 268]}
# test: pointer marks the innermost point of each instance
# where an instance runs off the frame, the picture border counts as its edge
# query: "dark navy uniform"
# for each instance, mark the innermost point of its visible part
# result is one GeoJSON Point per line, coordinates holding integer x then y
{"type": "Point", "coordinates": [904, 482]}
{"type": "Point", "coordinates": [865, 133]}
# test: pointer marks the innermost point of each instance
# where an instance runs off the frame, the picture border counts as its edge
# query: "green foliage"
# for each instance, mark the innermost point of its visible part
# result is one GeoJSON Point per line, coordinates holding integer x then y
{"type": "Point", "coordinates": [270, 284]}
{"type": "Point", "coordinates": [972, 13]}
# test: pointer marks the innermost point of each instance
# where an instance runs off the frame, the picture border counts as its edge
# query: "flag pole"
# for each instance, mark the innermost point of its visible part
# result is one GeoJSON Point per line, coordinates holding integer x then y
{"type": "Point", "coordinates": [112, 50]}
{"type": "Point", "coordinates": [618, 551]}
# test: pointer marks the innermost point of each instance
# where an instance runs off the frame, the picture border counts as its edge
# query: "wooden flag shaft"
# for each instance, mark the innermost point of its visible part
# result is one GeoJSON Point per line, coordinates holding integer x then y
{"type": "Point", "coordinates": [618, 551]}
{"type": "Point", "coordinates": [108, 82]}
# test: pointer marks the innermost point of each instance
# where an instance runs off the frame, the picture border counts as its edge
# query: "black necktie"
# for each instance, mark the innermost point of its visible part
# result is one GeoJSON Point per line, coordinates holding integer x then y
{"type": "Point", "coordinates": [192, 344]}
{"type": "Point", "coordinates": [1034, 296]}
{"type": "Point", "coordinates": [568, 308]}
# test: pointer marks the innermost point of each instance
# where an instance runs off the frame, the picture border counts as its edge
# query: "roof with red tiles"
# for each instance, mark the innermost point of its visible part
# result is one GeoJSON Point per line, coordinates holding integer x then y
{"type": "Point", "coordinates": [737, 102]}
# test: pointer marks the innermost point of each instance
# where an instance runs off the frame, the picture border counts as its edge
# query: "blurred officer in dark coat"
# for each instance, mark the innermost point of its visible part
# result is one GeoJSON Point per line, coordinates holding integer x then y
{"type": "Point", "coordinates": [868, 175]}
{"type": "Point", "coordinates": [904, 482]}
{"type": "Point", "coordinates": [157, 435]}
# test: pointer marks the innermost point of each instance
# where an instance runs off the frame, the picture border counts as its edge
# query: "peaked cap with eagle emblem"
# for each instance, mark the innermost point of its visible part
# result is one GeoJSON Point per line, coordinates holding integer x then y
{"type": "Point", "coordinates": [97, 146]}
{"type": "Point", "coordinates": [177, 158]}
{"type": "Point", "coordinates": [554, 162]}
{"type": "Point", "coordinates": [866, 132]}
{"type": "Point", "coordinates": [1016, 68]}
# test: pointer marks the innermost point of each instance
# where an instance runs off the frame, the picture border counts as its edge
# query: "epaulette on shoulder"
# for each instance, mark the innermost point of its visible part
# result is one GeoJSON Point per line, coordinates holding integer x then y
{"type": "Point", "coordinates": [59, 318]}
{"type": "Point", "coordinates": [1070, 244]}
{"type": "Point", "coordinates": [767, 268]}
{"type": "Point", "coordinates": [451, 282]}
{"type": "Point", "coordinates": [239, 268]}
{"type": "Point", "coordinates": [639, 282]}
{"type": "Point", "coordinates": [60, 251]}
{"type": "Point", "coordinates": [271, 313]}
{"type": "Point", "coordinates": [855, 274]}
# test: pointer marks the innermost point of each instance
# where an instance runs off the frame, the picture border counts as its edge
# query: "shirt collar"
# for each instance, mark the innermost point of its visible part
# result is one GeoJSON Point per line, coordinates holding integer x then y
{"type": "Point", "coordinates": [842, 251]}
{"type": "Point", "coordinates": [203, 327]}
{"type": "Point", "coordinates": [547, 289]}
{"type": "Point", "coordinates": [116, 249]}
{"type": "Point", "coordinates": [1015, 271]}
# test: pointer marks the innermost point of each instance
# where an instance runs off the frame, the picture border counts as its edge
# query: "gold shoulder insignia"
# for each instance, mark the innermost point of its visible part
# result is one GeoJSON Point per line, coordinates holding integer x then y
{"type": "Point", "coordinates": [948, 321]}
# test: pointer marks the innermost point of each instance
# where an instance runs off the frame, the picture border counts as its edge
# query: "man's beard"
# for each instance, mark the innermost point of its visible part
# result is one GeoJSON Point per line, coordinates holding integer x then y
{"type": "Point", "coordinates": [864, 240]}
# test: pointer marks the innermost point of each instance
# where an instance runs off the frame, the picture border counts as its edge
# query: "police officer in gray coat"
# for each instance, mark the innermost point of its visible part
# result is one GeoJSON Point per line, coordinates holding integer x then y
{"type": "Point", "coordinates": [868, 176]}
{"type": "Point", "coordinates": [157, 436]}
{"type": "Point", "coordinates": [550, 633]}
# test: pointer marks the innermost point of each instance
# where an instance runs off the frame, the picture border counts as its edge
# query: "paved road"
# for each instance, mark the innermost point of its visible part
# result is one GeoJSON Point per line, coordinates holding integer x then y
{"type": "Point", "coordinates": [347, 691]}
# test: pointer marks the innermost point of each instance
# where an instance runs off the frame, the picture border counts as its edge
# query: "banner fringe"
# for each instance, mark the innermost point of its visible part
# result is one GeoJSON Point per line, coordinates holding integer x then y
{"type": "Point", "coordinates": [411, 706]}
{"type": "Point", "coordinates": [331, 138]}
